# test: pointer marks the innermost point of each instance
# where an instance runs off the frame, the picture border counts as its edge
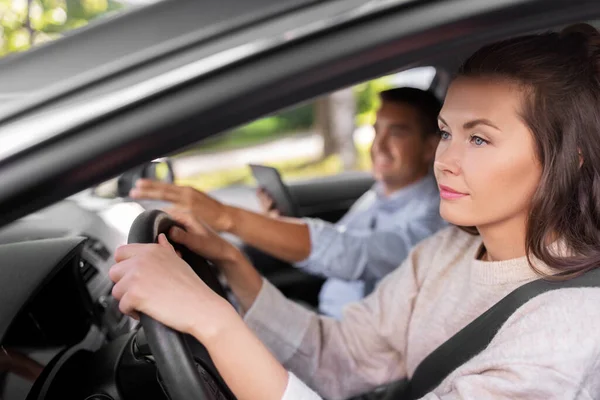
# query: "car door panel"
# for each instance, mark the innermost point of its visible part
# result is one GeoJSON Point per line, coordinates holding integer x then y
{"type": "Point", "coordinates": [326, 198]}
{"type": "Point", "coordinates": [329, 198]}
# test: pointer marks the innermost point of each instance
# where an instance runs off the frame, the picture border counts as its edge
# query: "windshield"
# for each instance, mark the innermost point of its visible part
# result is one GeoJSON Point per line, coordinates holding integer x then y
{"type": "Point", "coordinates": [27, 23]}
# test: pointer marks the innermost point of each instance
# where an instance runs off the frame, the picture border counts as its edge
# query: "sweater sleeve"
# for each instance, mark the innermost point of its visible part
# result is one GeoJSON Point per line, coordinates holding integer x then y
{"type": "Point", "coordinates": [545, 350]}
{"type": "Point", "coordinates": [297, 390]}
{"type": "Point", "coordinates": [341, 358]}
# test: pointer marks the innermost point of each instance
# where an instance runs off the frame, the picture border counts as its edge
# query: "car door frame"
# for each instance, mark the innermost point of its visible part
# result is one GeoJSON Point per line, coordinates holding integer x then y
{"type": "Point", "coordinates": [79, 155]}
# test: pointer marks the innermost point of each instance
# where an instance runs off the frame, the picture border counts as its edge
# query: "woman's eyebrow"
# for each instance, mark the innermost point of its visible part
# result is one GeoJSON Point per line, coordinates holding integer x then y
{"type": "Point", "coordinates": [480, 121]}
{"type": "Point", "coordinates": [473, 123]}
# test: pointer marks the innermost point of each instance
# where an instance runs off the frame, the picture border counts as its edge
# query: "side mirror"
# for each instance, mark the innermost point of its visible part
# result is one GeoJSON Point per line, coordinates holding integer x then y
{"type": "Point", "coordinates": [157, 170]}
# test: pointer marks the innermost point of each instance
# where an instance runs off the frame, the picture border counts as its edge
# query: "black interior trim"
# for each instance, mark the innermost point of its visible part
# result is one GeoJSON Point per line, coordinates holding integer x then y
{"type": "Point", "coordinates": [33, 264]}
{"type": "Point", "coordinates": [201, 21]}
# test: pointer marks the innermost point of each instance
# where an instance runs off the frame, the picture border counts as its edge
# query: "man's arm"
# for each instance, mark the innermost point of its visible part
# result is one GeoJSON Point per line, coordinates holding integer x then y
{"type": "Point", "coordinates": [285, 238]}
{"type": "Point", "coordinates": [320, 247]}
{"type": "Point", "coordinates": [364, 254]}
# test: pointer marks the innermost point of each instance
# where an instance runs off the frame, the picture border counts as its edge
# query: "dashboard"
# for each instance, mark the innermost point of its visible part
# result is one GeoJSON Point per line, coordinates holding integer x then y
{"type": "Point", "coordinates": [56, 295]}
{"type": "Point", "coordinates": [104, 223]}
{"type": "Point", "coordinates": [46, 311]}
{"type": "Point", "coordinates": [61, 332]}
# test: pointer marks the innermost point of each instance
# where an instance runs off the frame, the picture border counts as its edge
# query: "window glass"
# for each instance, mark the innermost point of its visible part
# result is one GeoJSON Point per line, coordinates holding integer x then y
{"type": "Point", "coordinates": [325, 137]}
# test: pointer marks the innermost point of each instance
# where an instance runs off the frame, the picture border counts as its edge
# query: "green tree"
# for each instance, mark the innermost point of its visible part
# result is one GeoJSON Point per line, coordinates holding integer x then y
{"type": "Point", "coordinates": [26, 23]}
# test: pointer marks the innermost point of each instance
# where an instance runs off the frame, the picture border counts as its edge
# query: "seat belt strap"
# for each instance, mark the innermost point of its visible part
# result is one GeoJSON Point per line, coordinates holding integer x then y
{"type": "Point", "coordinates": [476, 336]}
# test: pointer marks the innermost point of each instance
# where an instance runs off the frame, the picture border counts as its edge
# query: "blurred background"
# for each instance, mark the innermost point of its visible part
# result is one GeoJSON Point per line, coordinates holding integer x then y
{"type": "Point", "coordinates": [327, 136]}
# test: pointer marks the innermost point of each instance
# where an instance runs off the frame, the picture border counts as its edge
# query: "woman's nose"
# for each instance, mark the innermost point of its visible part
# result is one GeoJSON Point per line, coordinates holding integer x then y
{"type": "Point", "coordinates": [447, 158]}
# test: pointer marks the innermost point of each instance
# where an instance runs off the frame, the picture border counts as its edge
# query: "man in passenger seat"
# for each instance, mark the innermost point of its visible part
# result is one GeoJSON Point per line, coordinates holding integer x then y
{"type": "Point", "coordinates": [378, 232]}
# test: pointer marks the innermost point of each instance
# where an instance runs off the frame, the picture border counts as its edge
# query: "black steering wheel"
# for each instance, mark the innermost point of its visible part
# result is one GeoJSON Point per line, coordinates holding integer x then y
{"type": "Point", "coordinates": [181, 377]}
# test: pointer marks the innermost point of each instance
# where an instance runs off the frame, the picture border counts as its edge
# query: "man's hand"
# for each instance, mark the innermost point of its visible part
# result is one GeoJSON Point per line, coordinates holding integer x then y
{"type": "Point", "coordinates": [20, 364]}
{"type": "Point", "coordinates": [267, 204]}
{"type": "Point", "coordinates": [214, 213]}
{"type": "Point", "coordinates": [243, 279]}
{"type": "Point", "coordinates": [285, 238]}
{"type": "Point", "coordinates": [201, 239]}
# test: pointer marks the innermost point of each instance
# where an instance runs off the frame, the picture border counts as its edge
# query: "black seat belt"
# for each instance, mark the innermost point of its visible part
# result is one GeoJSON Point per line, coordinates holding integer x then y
{"type": "Point", "coordinates": [475, 337]}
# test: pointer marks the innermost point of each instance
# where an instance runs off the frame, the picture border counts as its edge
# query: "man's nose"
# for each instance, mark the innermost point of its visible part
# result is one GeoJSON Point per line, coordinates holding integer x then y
{"type": "Point", "coordinates": [380, 141]}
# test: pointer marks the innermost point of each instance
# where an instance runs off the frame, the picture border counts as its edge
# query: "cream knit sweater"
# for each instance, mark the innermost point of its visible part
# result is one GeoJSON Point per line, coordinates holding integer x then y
{"type": "Point", "coordinates": [548, 349]}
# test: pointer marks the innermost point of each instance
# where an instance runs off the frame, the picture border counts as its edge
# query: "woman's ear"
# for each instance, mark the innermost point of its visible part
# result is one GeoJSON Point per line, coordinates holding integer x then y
{"type": "Point", "coordinates": [580, 157]}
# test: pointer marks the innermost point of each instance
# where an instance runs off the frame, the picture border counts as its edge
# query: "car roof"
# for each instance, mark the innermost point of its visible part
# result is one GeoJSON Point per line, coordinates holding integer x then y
{"type": "Point", "coordinates": [99, 129]}
{"type": "Point", "coordinates": [111, 82]}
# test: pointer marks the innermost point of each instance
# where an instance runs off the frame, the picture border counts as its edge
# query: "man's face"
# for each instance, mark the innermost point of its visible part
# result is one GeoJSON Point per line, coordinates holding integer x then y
{"type": "Point", "coordinates": [401, 153]}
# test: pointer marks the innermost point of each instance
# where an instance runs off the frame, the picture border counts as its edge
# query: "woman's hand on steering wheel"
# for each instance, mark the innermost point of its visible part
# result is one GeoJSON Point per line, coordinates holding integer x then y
{"type": "Point", "coordinates": [201, 239]}
{"type": "Point", "coordinates": [152, 279]}
{"type": "Point", "coordinates": [243, 279]}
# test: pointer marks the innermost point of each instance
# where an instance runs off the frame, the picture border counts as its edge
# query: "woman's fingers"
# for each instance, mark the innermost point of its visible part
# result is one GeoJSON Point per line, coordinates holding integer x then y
{"type": "Point", "coordinates": [182, 237]}
{"type": "Point", "coordinates": [164, 242]}
{"type": "Point", "coordinates": [122, 291]}
{"type": "Point", "coordinates": [187, 220]}
{"type": "Point", "coordinates": [128, 251]}
{"type": "Point", "coordinates": [128, 307]}
{"type": "Point", "coordinates": [155, 282]}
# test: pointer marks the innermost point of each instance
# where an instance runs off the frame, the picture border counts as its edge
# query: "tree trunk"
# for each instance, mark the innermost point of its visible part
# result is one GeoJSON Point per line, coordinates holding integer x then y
{"type": "Point", "coordinates": [324, 127]}
{"type": "Point", "coordinates": [335, 122]}
{"type": "Point", "coordinates": [28, 22]}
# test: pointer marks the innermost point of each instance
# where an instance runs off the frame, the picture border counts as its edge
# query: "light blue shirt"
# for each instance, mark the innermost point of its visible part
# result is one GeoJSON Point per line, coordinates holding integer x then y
{"type": "Point", "coordinates": [370, 241]}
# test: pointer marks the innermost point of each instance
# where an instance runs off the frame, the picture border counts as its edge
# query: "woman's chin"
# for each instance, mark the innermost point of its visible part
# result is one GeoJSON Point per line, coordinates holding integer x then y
{"type": "Point", "coordinates": [453, 214]}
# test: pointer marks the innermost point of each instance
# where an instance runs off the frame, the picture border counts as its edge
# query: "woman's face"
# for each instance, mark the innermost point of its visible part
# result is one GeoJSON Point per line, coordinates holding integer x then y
{"type": "Point", "coordinates": [485, 164]}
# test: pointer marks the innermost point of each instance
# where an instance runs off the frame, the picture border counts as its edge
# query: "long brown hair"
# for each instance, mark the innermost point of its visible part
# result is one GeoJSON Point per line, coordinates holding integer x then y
{"type": "Point", "coordinates": [559, 73]}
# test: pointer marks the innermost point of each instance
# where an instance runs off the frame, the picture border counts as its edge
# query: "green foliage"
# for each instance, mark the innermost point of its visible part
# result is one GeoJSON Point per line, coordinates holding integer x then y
{"type": "Point", "coordinates": [26, 23]}
{"type": "Point", "coordinates": [265, 129]}
{"type": "Point", "coordinates": [292, 168]}
{"type": "Point", "coordinates": [250, 134]}
{"type": "Point", "coordinates": [296, 119]}
{"type": "Point", "coordinates": [367, 99]}
{"type": "Point", "coordinates": [298, 168]}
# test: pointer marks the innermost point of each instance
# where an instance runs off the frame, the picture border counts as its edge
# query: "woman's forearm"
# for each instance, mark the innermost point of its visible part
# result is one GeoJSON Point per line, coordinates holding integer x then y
{"type": "Point", "coordinates": [243, 279]}
{"type": "Point", "coordinates": [248, 368]}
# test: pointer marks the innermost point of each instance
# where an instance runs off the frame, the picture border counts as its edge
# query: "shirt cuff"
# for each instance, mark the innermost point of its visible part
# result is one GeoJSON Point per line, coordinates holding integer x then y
{"type": "Point", "coordinates": [278, 322]}
{"type": "Point", "coordinates": [297, 390]}
{"type": "Point", "coordinates": [320, 240]}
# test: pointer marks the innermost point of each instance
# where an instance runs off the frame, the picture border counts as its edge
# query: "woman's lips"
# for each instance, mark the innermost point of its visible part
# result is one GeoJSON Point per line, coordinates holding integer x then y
{"type": "Point", "coordinates": [447, 193]}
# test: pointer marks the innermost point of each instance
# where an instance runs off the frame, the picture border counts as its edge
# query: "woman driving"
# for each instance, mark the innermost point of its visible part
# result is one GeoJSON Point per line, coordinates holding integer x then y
{"type": "Point", "coordinates": [518, 167]}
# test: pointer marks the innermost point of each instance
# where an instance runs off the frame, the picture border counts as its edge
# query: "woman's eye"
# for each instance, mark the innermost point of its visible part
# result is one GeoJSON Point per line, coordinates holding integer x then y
{"type": "Point", "coordinates": [478, 141]}
{"type": "Point", "coordinates": [444, 135]}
